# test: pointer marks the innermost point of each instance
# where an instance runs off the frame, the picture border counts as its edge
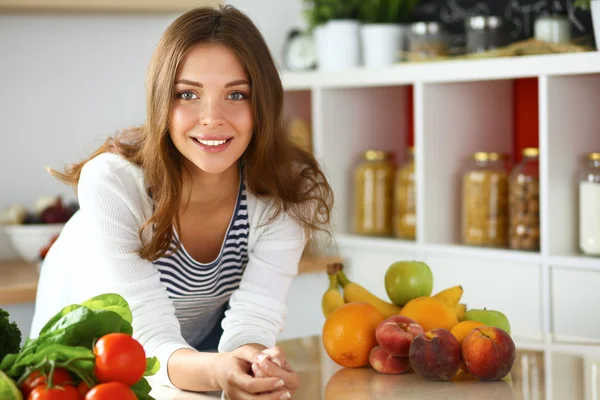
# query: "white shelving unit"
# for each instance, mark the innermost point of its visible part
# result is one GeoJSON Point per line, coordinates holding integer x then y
{"type": "Point", "coordinates": [551, 296]}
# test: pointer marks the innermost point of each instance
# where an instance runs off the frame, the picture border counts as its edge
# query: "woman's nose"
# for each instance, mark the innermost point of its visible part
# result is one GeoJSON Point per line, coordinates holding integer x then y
{"type": "Point", "coordinates": [212, 114]}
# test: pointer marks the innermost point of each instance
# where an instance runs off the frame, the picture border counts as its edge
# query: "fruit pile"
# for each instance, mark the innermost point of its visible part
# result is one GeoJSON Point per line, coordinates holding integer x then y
{"type": "Point", "coordinates": [47, 210]}
{"type": "Point", "coordinates": [436, 336]}
{"type": "Point", "coordinates": [84, 352]}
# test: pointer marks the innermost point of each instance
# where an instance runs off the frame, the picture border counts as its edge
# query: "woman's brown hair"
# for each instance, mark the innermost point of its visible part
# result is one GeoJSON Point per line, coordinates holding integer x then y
{"type": "Point", "coordinates": [275, 168]}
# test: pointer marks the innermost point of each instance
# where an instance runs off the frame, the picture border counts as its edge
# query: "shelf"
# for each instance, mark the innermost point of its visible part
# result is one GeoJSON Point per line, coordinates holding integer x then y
{"type": "Point", "coordinates": [102, 5]}
{"type": "Point", "coordinates": [18, 282]}
{"type": "Point", "coordinates": [448, 110]}
{"type": "Point", "coordinates": [448, 71]}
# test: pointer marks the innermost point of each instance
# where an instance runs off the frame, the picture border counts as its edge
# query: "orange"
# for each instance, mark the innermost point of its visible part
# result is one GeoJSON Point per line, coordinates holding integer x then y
{"type": "Point", "coordinates": [430, 313]}
{"type": "Point", "coordinates": [462, 329]}
{"type": "Point", "coordinates": [349, 333]}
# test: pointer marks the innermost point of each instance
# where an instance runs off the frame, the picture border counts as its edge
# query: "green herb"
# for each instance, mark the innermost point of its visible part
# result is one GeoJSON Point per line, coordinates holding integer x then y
{"type": "Point", "coordinates": [386, 11]}
{"type": "Point", "coordinates": [318, 12]}
{"type": "Point", "coordinates": [583, 4]}
{"type": "Point", "coordinates": [10, 335]}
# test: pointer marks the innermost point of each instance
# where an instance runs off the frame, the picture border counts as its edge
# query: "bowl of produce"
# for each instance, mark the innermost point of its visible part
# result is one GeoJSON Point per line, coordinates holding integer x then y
{"type": "Point", "coordinates": [32, 232]}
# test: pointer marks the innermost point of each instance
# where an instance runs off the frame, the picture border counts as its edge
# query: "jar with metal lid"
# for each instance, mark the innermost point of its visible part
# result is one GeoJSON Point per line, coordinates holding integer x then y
{"type": "Point", "coordinates": [485, 201]}
{"type": "Point", "coordinates": [524, 205]}
{"type": "Point", "coordinates": [374, 194]}
{"type": "Point", "coordinates": [485, 33]}
{"type": "Point", "coordinates": [427, 40]}
{"type": "Point", "coordinates": [589, 205]}
{"type": "Point", "coordinates": [405, 217]}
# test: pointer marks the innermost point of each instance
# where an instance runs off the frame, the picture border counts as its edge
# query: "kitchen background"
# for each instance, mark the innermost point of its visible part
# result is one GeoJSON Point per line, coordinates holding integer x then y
{"type": "Point", "coordinates": [70, 79]}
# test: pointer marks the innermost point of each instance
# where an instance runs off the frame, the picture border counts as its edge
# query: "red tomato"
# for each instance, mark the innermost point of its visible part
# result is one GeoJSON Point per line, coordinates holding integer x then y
{"type": "Point", "coordinates": [110, 391]}
{"type": "Point", "coordinates": [119, 358]}
{"type": "Point", "coordinates": [83, 388]}
{"type": "Point", "coordinates": [61, 377]}
{"type": "Point", "coordinates": [42, 392]}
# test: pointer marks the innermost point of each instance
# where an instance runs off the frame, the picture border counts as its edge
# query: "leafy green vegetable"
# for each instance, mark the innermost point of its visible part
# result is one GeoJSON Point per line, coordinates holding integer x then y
{"type": "Point", "coordinates": [9, 389]}
{"type": "Point", "coordinates": [142, 390]}
{"type": "Point", "coordinates": [10, 335]}
{"type": "Point", "coordinates": [152, 366]}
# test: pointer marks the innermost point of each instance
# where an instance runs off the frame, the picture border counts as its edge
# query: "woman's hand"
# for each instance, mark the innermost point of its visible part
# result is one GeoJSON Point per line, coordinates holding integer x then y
{"type": "Point", "coordinates": [272, 363]}
{"type": "Point", "coordinates": [235, 379]}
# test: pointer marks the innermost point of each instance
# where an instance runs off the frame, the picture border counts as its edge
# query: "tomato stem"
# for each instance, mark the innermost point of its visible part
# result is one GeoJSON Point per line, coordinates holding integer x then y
{"type": "Point", "coordinates": [51, 373]}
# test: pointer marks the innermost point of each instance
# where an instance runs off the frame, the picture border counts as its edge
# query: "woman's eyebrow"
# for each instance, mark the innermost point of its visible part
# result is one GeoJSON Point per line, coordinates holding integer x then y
{"type": "Point", "coordinates": [198, 84]}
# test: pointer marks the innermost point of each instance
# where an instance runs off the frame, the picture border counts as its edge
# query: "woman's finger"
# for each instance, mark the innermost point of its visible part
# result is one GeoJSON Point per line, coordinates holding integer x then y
{"type": "Point", "coordinates": [291, 379]}
{"type": "Point", "coordinates": [251, 384]}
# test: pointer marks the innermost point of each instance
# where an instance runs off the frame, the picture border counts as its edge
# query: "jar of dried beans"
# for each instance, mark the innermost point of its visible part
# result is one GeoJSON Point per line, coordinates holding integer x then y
{"type": "Point", "coordinates": [374, 194]}
{"type": "Point", "coordinates": [524, 205]}
{"type": "Point", "coordinates": [405, 199]}
{"type": "Point", "coordinates": [485, 201]}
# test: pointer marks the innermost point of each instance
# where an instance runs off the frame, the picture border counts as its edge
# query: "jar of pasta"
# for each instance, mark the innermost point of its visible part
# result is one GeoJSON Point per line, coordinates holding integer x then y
{"type": "Point", "coordinates": [485, 201]}
{"type": "Point", "coordinates": [405, 199]}
{"type": "Point", "coordinates": [524, 203]}
{"type": "Point", "coordinates": [374, 193]}
{"type": "Point", "coordinates": [589, 205]}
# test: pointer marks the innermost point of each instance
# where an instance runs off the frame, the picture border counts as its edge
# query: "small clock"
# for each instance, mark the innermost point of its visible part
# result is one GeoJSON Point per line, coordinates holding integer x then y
{"type": "Point", "coordinates": [299, 53]}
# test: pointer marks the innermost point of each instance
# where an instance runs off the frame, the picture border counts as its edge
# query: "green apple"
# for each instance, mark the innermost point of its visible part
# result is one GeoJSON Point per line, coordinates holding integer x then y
{"type": "Point", "coordinates": [489, 318]}
{"type": "Point", "coordinates": [407, 280]}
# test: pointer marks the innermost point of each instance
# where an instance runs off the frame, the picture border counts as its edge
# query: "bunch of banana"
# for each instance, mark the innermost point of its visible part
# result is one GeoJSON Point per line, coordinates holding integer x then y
{"type": "Point", "coordinates": [352, 292]}
{"type": "Point", "coordinates": [332, 298]}
{"type": "Point", "coordinates": [451, 297]}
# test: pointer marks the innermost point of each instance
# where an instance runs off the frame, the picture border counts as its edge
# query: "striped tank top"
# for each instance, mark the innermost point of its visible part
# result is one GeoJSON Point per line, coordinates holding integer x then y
{"type": "Point", "coordinates": [199, 291]}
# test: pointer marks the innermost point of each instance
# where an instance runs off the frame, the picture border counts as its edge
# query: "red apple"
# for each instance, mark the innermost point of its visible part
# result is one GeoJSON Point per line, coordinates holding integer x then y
{"type": "Point", "coordinates": [396, 333]}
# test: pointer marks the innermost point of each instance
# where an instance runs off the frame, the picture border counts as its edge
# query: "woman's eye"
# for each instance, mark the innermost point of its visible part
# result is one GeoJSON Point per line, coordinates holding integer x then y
{"type": "Point", "coordinates": [187, 95]}
{"type": "Point", "coordinates": [237, 96]}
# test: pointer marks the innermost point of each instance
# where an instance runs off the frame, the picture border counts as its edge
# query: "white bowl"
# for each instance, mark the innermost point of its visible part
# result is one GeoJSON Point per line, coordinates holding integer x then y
{"type": "Point", "coordinates": [29, 239]}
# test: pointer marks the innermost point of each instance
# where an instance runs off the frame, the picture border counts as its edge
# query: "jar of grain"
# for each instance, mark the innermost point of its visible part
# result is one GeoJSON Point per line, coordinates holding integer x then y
{"type": "Point", "coordinates": [589, 205]}
{"type": "Point", "coordinates": [405, 199]}
{"type": "Point", "coordinates": [374, 194]}
{"type": "Point", "coordinates": [485, 201]}
{"type": "Point", "coordinates": [524, 202]}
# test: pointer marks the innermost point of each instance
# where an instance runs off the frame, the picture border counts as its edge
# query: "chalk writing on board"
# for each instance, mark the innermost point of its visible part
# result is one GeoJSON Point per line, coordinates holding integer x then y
{"type": "Point", "coordinates": [519, 15]}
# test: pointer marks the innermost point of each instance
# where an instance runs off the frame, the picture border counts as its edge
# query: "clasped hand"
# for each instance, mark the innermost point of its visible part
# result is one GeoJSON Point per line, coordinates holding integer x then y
{"type": "Point", "coordinates": [253, 372]}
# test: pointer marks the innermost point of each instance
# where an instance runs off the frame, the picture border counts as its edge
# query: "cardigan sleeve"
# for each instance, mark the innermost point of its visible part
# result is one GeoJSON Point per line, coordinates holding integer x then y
{"type": "Point", "coordinates": [111, 202]}
{"type": "Point", "coordinates": [258, 308]}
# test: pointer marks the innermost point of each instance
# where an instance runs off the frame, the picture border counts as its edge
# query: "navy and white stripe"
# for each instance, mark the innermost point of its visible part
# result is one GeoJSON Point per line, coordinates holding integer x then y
{"type": "Point", "coordinates": [200, 291]}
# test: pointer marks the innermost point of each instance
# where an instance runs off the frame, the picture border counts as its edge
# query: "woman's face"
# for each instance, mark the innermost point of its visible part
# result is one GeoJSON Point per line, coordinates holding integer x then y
{"type": "Point", "coordinates": [211, 117]}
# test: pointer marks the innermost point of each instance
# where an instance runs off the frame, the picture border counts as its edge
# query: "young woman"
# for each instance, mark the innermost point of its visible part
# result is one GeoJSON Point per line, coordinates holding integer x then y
{"type": "Point", "coordinates": [199, 217]}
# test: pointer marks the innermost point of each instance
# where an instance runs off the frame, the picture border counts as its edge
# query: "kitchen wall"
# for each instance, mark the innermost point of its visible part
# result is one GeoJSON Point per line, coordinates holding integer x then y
{"type": "Point", "coordinates": [69, 81]}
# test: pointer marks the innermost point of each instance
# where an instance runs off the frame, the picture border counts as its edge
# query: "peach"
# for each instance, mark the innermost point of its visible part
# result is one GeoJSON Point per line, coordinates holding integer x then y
{"type": "Point", "coordinates": [435, 355]}
{"type": "Point", "coordinates": [386, 363]}
{"type": "Point", "coordinates": [488, 353]}
{"type": "Point", "coordinates": [396, 333]}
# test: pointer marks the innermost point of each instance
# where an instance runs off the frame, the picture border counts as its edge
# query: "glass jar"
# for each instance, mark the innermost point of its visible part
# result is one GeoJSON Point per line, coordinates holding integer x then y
{"type": "Point", "coordinates": [524, 203]}
{"type": "Point", "coordinates": [405, 217]}
{"type": "Point", "coordinates": [589, 205]}
{"type": "Point", "coordinates": [485, 33]}
{"type": "Point", "coordinates": [374, 194]}
{"type": "Point", "coordinates": [485, 201]}
{"type": "Point", "coordinates": [427, 40]}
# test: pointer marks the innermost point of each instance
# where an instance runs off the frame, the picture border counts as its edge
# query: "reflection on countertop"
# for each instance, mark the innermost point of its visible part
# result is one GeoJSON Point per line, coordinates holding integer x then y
{"type": "Point", "coordinates": [558, 373]}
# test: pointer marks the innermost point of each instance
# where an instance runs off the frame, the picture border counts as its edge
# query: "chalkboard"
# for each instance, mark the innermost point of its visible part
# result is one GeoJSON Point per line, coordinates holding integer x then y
{"type": "Point", "coordinates": [520, 16]}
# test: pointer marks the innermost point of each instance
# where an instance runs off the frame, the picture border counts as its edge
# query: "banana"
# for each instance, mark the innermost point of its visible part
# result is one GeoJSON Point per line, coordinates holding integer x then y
{"type": "Point", "coordinates": [460, 310]}
{"type": "Point", "coordinates": [451, 296]}
{"type": "Point", "coordinates": [355, 292]}
{"type": "Point", "coordinates": [332, 298]}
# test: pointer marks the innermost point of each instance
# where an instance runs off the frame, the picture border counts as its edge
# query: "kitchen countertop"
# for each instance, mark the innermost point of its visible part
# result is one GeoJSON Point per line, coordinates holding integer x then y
{"type": "Point", "coordinates": [18, 279]}
{"type": "Point", "coordinates": [560, 373]}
